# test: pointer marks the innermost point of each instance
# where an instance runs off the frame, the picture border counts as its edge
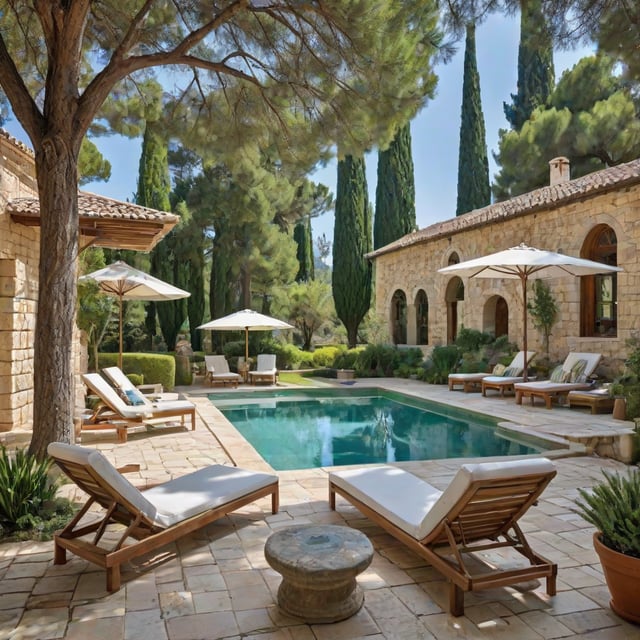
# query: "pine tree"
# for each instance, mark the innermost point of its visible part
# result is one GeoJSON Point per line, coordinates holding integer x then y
{"type": "Point", "coordinates": [351, 277]}
{"type": "Point", "coordinates": [154, 187]}
{"type": "Point", "coordinates": [536, 75]}
{"type": "Point", "coordinates": [304, 253]}
{"type": "Point", "coordinates": [395, 191]}
{"type": "Point", "coordinates": [474, 190]}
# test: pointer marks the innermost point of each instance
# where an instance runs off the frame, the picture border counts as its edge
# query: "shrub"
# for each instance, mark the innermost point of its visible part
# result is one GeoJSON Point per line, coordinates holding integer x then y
{"type": "Point", "coordinates": [347, 359]}
{"type": "Point", "coordinates": [472, 339]}
{"type": "Point", "coordinates": [377, 361]}
{"type": "Point", "coordinates": [325, 356]}
{"type": "Point", "coordinates": [153, 367]}
{"type": "Point", "coordinates": [613, 507]}
{"type": "Point", "coordinates": [27, 495]}
{"type": "Point", "coordinates": [441, 363]}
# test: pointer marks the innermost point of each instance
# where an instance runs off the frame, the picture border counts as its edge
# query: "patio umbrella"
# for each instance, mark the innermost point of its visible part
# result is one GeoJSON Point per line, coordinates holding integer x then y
{"type": "Point", "coordinates": [247, 320]}
{"type": "Point", "coordinates": [127, 283]}
{"type": "Point", "coordinates": [522, 263]}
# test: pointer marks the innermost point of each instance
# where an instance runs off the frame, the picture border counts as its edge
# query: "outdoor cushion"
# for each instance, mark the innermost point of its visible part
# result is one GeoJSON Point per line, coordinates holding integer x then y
{"type": "Point", "coordinates": [498, 370]}
{"type": "Point", "coordinates": [558, 374]}
{"type": "Point", "coordinates": [513, 372]}
{"type": "Point", "coordinates": [577, 371]}
{"type": "Point", "coordinates": [133, 397]}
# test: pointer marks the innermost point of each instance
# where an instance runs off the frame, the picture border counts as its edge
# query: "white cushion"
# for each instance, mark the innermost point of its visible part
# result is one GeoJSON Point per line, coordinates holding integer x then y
{"type": "Point", "coordinates": [414, 505]}
{"type": "Point", "coordinates": [174, 501]}
{"type": "Point", "coordinates": [202, 490]}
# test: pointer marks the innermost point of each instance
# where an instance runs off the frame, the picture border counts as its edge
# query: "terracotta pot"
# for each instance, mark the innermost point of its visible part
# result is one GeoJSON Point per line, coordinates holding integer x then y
{"type": "Point", "coordinates": [622, 574]}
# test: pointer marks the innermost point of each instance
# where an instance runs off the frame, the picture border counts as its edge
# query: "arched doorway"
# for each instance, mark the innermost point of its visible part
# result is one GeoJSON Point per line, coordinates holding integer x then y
{"type": "Point", "coordinates": [501, 315]}
{"type": "Point", "coordinates": [422, 318]}
{"type": "Point", "coordinates": [399, 317]}
{"type": "Point", "coordinates": [599, 293]}
{"type": "Point", "coordinates": [454, 294]}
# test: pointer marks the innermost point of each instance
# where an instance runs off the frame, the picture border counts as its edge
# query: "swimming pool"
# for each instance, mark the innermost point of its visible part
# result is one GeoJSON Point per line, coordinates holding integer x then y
{"type": "Point", "coordinates": [310, 428]}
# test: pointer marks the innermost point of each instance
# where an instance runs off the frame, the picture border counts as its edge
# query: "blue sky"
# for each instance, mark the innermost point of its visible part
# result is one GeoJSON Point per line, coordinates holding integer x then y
{"type": "Point", "coordinates": [435, 130]}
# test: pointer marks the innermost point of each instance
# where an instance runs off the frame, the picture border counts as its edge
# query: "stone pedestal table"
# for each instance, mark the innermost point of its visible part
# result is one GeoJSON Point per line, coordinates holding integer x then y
{"type": "Point", "coordinates": [319, 565]}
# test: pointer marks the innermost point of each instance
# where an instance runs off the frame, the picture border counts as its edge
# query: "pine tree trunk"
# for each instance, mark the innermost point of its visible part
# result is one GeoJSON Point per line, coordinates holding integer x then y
{"type": "Point", "coordinates": [56, 167]}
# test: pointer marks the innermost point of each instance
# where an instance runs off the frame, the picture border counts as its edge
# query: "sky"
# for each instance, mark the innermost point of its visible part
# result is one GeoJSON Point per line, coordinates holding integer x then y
{"type": "Point", "coordinates": [435, 130]}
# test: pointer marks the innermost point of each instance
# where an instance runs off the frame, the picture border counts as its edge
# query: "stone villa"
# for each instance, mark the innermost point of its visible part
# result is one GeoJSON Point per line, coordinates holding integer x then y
{"type": "Point", "coordinates": [103, 223]}
{"type": "Point", "coordinates": [595, 217]}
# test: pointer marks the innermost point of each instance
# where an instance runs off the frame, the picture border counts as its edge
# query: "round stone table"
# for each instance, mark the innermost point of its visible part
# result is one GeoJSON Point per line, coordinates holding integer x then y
{"type": "Point", "coordinates": [319, 565]}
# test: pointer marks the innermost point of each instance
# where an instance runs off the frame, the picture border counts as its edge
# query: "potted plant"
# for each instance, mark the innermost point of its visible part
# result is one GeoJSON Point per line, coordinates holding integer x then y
{"type": "Point", "coordinates": [613, 507]}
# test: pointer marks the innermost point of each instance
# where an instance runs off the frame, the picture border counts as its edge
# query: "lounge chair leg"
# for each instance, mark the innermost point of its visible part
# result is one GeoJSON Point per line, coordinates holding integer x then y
{"type": "Point", "coordinates": [113, 578]}
{"type": "Point", "coordinates": [551, 585]}
{"type": "Point", "coordinates": [456, 600]}
{"type": "Point", "coordinates": [59, 555]}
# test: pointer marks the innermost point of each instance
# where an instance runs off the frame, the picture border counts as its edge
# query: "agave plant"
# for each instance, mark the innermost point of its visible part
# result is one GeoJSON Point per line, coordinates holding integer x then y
{"type": "Point", "coordinates": [613, 507]}
{"type": "Point", "coordinates": [25, 487]}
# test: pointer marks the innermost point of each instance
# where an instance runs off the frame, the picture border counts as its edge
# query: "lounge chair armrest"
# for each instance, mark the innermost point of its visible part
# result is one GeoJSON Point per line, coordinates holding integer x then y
{"type": "Point", "coordinates": [155, 388]}
{"type": "Point", "coordinates": [129, 468]}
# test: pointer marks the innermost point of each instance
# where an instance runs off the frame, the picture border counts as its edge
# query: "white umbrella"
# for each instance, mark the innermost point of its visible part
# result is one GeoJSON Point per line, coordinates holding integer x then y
{"type": "Point", "coordinates": [127, 283]}
{"type": "Point", "coordinates": [247, 320]}
{"type": "Point", "coordinates": [523, 262]}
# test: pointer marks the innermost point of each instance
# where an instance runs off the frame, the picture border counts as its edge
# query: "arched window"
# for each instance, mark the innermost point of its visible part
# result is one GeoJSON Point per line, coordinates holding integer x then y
{"type": "Point", "coordinates": [422, 318]}
{"type": "Point", "coordinates": [453, 259]}
{"type": "Point", "coordinates": [495, 316]}
{"type": "Point", "coordinates": [454, 294]}
{"type": "Point", "coordinates": [399, 317]}
{"type": "Point", "coordinates": [599, 293]}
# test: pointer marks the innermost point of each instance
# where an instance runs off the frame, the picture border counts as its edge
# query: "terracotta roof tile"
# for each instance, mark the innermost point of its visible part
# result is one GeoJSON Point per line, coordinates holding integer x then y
{"type": "Point", "coordinates": [543, 198]}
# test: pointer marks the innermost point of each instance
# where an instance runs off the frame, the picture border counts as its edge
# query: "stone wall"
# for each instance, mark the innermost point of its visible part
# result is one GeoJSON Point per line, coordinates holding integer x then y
{"type": "Point", "coordinates": [413, 265]}
{"type": "Point", "coordinates": [19, 249]}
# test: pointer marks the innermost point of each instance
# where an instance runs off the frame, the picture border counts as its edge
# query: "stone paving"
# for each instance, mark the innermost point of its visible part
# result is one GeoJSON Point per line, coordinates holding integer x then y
{"type": "Point", "coordinates": [216, 583]}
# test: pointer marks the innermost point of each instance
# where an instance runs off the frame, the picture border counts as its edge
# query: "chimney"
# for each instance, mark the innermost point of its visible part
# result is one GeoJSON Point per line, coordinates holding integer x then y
{"type": "Point", "coordinates": [559, 170]}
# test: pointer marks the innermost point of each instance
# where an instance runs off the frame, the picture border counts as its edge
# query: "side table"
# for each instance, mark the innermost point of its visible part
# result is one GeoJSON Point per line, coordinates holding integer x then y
{"type": "Point", "coordinates": [319, 565]}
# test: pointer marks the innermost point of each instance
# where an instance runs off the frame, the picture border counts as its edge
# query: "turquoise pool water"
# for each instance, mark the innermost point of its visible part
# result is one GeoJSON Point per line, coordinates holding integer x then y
{"type": "Point", "coordinates": [295, 429]}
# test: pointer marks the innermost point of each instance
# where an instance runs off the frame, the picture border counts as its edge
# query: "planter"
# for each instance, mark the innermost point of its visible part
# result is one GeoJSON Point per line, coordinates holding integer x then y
{"type": "Point", "coordinates": [345, 374]}
{"type": "Point", "coordinates": [622, 574]}
{"type": "Point", "coordinates": [620, 409]}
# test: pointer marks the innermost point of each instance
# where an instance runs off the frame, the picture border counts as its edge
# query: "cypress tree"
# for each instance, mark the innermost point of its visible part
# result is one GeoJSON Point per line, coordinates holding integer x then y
{"type": "Point", "coordinates": [536, 75]}
{"type": "Point", "coordinates": [474, 190]}
{"type": "Point", "coordinates": [304, 252]}
{"type": "Point", "coordinates": [395, 191]}
{"type": "Point", "coordinates": [351, 276]}
{"type": "Point", "coordinates": [154, 187]}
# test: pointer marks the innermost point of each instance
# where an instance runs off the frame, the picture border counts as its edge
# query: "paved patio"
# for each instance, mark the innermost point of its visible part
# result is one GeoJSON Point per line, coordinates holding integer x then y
{"type": "Point", "coordinates": [216, 583]}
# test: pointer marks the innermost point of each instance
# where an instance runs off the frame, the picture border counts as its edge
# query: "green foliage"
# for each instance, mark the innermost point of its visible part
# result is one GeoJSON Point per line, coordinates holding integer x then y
{"type": "Point", "coordinates": [409, 363]}
{"type": "Point", "coordinates": [153, 367]}
{"type": "Point", "coordinates": [351, 277]}
{"type": "Point", "coordinates": [440, 363]}
{"type": "Point", "coordinates": [395, 214]}
{"type": "Point", "coordinates": [590, 118]}
{"type": "Point", "coordinates": [543, 310]}
{"type": "Point", "coordinates": [326, 356]}
{"type": "Point", "coordinates": [25, 487]}
{"type": "Point", "coordinates": [469, 340]}
{"type": "Point", "coordinates": [347, 359]}
{"type": "Point", "coordinates": [474, 190]}
{"type": "Point", "coordinates": [377, 361]}
{"type": "Point", "coordinates": [304, 253]}
{"type": "Point", "coordinates": [613, 507]}
{"type": "Point", "coordinates": [536, 76]}
{"type": "Point", "coordinates": [92, 165]}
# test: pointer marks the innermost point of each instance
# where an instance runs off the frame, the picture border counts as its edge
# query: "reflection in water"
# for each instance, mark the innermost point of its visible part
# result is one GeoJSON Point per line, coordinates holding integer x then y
{"type": "Point", "coordinates": [322, 432]}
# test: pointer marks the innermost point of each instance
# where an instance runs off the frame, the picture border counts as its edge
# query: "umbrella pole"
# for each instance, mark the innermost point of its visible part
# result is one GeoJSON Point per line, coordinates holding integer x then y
{"type": "Point", "coordinates": [120, 352]}
{"type": "Point", "coordinates": [523, 278]}
{"type": "Point", "coordinates": [246, 345]}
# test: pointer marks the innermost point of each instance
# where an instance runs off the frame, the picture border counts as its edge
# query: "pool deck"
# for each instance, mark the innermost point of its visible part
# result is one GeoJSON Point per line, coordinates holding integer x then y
{"type": "Point", "coordinates": [217, 584]}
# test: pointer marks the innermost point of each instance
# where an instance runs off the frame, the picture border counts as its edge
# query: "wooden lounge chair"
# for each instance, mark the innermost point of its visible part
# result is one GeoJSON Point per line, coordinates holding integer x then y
{"type": "Point", "coordinates": [478, 512]}
{"type": "Point", "coordinates": [265, 370]}
{"type": "Point", "coordinates": [473, 381]}
{"type": "Point", "coordinates": [114, 413]}
{"type": "Point", "coordinates": [576, 370]}
{"type": "Point", "coordinates": [218, 371]}
{"type": "Point", "coordinates": [151, 392]}
{"type": "Point", "coordinates": [151, 518]}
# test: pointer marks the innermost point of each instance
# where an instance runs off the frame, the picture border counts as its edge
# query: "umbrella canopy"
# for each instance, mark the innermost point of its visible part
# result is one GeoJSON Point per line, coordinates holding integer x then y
{"type": "Point", "coordinates": [246, 320]}
{"type": "Point", "coordinates": [127, 283]}
{"type": "Point", "coordinates": [522, 263]}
